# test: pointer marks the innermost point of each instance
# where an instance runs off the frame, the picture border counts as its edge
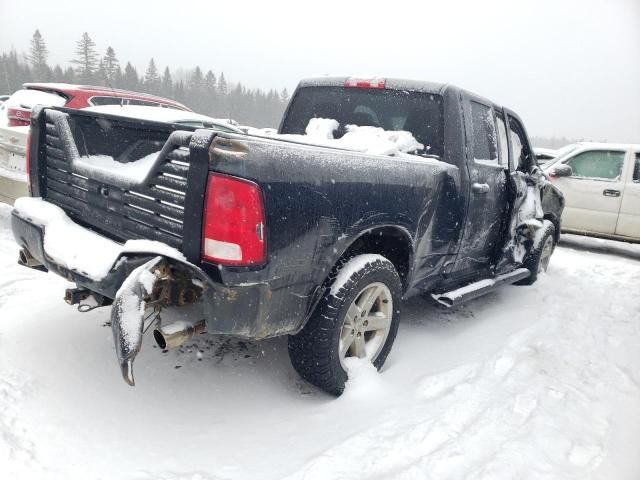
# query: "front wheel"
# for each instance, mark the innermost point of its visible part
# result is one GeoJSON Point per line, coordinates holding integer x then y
{"type": "Point", "coordinates": [537, 260]}
{"type": "Point", "coordinates": [357, 317]}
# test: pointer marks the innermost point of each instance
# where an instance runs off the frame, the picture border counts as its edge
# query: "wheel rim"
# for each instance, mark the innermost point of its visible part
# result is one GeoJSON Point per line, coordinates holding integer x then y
{"type": "Point", "coordinates": [367, 323]}
{"type": "Point", "coordinates": [545, 255]}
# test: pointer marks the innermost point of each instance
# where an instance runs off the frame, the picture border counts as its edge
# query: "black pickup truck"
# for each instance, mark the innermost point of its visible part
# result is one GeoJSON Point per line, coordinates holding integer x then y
{"type": "Point", "coordinates": [259, 236]}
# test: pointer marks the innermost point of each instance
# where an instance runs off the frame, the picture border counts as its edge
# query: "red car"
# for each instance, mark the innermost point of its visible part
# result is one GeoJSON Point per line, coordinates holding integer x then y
{"type": "Point", "coordinates": [19, 105]}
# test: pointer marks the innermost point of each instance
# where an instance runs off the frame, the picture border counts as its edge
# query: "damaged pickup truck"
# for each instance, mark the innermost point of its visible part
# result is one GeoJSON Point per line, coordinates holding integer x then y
{"type": "Point", "coordinates": [311, 233]}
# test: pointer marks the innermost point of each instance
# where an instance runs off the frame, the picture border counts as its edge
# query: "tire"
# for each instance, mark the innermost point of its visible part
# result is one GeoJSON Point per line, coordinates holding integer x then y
{"type": "Point", "coordinates": [339, 320]}
{"type": "Point", "coordinates": [537, 260]}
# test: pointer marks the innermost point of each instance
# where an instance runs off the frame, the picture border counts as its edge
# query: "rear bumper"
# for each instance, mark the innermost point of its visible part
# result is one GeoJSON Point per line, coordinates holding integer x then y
{"type": "Point", "coordinates": [249, 310]}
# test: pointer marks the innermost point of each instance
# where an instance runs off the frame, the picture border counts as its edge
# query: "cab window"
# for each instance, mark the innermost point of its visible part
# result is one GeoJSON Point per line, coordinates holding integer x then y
{"type": "Point", "coordinates": [485, 144]}
{"type": "Point", "coordinates": [520, 152]}
{"type": "Point", "coordinates": [597, 165]}
{"type": "Point", "coordinates": [502, 140]}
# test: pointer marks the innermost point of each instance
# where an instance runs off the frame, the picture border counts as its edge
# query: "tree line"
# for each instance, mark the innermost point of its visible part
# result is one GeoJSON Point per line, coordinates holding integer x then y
{"type": "Point", "coordinates": [204, 92]}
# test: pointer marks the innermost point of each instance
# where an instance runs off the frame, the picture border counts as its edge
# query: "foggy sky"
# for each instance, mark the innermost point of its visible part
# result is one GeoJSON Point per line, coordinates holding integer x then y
{"type": "Point", "coordinates": [568, 67]}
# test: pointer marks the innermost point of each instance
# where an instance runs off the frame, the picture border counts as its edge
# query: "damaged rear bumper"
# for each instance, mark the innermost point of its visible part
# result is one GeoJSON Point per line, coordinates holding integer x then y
{"type": "Point", "coordinates": [254, 310]}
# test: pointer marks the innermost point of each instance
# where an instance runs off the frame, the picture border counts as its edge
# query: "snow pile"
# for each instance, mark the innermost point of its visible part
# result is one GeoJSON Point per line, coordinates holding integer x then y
{"type": "Point", "coordinates": [80, 249]}
{"type": "Point", "coordinates": [367, 139]}
{"type": "Point", "coordinates": [104, 167]}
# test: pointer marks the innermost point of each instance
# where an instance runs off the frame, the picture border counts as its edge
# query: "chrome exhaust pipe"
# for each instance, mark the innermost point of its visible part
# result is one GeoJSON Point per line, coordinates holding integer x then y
{"type": "Point", "coordinates": [177, 333]}
{"type": "Point", "coordinates": [26, 259]}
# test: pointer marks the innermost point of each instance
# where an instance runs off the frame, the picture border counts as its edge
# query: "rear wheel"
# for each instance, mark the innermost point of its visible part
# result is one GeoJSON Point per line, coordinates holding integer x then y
{"type": "Point", "coordinates": [537, 260]}
{"type": "Point", "coordinates": [357, 317]}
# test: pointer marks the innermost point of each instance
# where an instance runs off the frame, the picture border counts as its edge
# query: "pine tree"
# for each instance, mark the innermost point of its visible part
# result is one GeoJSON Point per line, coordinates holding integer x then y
{"type": "Point", "coordinates": [86, 60]}
{"type": "Point", "coordinates": [69, 75]}
{"type": "Point", "coordinates": [111, 65]}
{"type": "Point", "coordinates": [151, 78]}
{"type": "Point", "coordinates": [101, 74]}
{"type": "Point", "coordinates": [130, 79]}
{"type": "Point", "coordinates": [166, 87]}
{"type": "Point", "coordinates": [222, 85]}
{"type": "Point", "coordinates": [284, 96]}
{"type": "Point", "coordinates": [58, 74]}
{"type": "Point", "coordinates": [210, 94]}
{"type": "Point", "coordinates": [38, 58]}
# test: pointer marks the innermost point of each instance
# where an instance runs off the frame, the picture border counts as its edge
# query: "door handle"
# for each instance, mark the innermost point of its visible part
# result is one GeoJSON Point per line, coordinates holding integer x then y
{"type": "Point", "coordinates": [611, 193]}
{"type": "Point", "coordinates": [480, 188]}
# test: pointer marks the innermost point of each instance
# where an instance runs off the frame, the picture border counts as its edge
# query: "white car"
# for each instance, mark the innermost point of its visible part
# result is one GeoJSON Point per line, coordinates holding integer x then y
{"type": "Point", "coordinates": [601, 186]}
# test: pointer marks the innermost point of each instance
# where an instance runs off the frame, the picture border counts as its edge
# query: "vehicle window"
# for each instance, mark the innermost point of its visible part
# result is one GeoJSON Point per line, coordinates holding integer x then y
{"type": "Point", "coordinates": [519, 147]}
{"type": "Point", "coordinates": [502, 140]}
{"type": "Point", "coordinates": [597, 164]}
{"type": "Point", "coordinates": [485, 144]}
{"type": "Point", "coordinates": [636, 169]}
{"type": "Point", "coordinates": [98, 101]}
{"type": "Point", "coordinates": [142, 102]}
{"type": "Point", "coordinates": [417, 112]}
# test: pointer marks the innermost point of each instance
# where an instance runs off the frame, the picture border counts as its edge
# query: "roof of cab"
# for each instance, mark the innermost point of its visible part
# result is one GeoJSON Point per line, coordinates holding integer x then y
{"type": "Point", "coordinates": [390, 83]}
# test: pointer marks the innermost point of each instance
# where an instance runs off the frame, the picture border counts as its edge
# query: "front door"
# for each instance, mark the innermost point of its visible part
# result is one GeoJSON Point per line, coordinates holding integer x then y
{"type": "Point", "coordinates": [488, 170]}
{"type": "Point", "coordinates": [629, 218]}
{"type": "Point", "coordinates": [593, 194]}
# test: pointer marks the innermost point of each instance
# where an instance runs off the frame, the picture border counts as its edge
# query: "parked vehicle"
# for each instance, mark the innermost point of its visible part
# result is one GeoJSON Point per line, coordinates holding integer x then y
{"type": "Point", "coordinates": [168, 115]}
{"type": "Point", "coordinates": [601, 185]}
{"type": "Point", "coordinates": [543, 155]}
{"type": "Point", "coordinates": [267, 236]}
{"type": "Point", "coordinates": [13, 141]}
{"type": "Point", "coordinates": [19, 105]}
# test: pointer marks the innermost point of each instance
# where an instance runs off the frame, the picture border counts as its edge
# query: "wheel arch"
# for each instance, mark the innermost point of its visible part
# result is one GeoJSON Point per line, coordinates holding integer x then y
{"type": "Point", "coordinates": [390, 241]}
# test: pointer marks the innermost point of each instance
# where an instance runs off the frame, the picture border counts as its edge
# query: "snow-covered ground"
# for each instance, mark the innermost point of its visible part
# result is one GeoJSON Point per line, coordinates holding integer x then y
{"type": "Point", "coordinates": [528, 382]}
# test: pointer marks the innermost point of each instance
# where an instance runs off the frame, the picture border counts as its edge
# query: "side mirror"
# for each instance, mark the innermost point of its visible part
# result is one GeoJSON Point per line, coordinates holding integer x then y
{"type": "Point", "coordinates": [562, 170]}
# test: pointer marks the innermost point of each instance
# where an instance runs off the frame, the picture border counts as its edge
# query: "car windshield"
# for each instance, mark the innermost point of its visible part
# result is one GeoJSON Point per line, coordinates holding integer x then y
{"type": "Point", "coordinates": [417, 112]}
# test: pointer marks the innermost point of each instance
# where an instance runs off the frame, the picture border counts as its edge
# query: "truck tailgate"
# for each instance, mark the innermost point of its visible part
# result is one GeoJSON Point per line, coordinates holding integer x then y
{"type": "Point", "coordinates": [124, 178]}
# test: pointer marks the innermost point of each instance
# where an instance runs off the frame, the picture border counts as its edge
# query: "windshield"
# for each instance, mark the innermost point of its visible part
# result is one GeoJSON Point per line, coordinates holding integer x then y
{"type": "Point", "coordinates": [417, 112]}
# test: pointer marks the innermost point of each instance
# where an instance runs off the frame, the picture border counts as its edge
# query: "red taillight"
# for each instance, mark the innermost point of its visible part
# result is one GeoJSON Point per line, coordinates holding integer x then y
{"type": "Point", "coordinates": [27, 156]}
{"type": "Point", "coordinates": [233, 232]}
{"type": "Point", "coordinates": [365, 83]}
{"type": "Point", "coordinates": [18, 117]}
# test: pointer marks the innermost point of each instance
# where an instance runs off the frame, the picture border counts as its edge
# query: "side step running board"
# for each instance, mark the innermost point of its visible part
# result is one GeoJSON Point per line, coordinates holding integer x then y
{"type": "Point", "coordinates": [479, 288]}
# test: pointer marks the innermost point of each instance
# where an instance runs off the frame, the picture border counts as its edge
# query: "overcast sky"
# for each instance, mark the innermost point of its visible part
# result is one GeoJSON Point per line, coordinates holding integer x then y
{"type": "Point", "coordinates": [568, 67]}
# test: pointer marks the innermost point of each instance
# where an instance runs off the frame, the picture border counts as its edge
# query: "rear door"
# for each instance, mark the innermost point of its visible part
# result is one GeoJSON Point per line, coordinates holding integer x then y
{"type": "Point", "coordinates": [488, 189]}
{"type": "Point", "coordinates": [629, 218]}
{"type": "Point", "coordinates": [593, 194]}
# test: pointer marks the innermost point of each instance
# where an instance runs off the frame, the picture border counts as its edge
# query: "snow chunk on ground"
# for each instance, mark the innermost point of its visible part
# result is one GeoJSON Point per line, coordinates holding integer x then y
{"type": "Point", "coordinates": [80, 249]}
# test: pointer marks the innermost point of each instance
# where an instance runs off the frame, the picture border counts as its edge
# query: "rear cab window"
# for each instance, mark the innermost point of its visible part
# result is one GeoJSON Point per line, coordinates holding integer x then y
{"type": "Point", "coordinates": [417, 112]}
{"type": "Point", "coordinates": [598, 165]}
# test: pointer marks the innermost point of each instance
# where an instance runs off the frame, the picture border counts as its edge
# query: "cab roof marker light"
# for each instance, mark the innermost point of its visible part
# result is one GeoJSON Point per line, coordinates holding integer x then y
{"type": "Point", "coordinates": [355, 82]}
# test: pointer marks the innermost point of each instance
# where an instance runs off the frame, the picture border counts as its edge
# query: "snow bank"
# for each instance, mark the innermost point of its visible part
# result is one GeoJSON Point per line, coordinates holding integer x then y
{"type": "Point", "coordinates": [80, 249]}
{"type": "Point", "coordinates": [369, 140]}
